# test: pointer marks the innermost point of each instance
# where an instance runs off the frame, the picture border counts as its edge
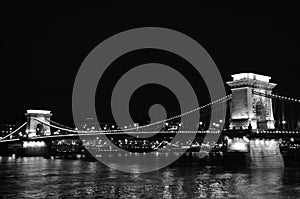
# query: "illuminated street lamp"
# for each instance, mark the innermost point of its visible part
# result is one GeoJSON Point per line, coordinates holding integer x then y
{"type": "Point", "coordinates": [202, 125]}
{"type": "Point", "coordinates": [283, 124]}
{"type": "Point", "coordinates": [136, 125]}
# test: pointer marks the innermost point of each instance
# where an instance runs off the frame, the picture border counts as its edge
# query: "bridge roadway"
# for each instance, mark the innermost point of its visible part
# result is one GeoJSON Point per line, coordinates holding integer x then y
{"type": "Point", "coordinates": [271, 134]}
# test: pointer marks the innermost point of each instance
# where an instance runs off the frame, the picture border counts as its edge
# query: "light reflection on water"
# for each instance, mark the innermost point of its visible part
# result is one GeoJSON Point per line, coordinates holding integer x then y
{"type": "Point", "coordinates": [53, 178]}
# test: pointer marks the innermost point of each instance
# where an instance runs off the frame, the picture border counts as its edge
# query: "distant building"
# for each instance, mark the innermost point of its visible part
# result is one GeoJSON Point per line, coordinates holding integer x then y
{"type": "Point", "coordinates": [6, 129]}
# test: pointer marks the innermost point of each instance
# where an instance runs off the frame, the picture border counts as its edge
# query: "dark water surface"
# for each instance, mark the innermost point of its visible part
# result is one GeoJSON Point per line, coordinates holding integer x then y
{"type": "Point", "coordinates": [37, 177]}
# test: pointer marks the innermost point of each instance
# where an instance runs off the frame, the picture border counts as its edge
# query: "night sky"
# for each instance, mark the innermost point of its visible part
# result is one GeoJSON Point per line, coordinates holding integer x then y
{"type": "Point", "coordinates": [41, 56]}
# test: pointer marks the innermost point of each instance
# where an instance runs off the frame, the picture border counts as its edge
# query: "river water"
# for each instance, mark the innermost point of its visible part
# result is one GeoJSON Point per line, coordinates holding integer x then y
{"type": "Point", "coordinates": [36, 177]}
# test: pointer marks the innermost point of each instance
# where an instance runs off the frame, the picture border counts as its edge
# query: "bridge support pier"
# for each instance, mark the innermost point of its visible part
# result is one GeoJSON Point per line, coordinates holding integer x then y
{"type": "Point", "coordinates": [36, 148]}
{"type": "Point", "coordinates": [256, 153]}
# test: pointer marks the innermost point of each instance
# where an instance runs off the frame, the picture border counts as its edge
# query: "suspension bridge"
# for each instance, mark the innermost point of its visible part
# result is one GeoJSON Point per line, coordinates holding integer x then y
{"type": "Point", "coordinates": [255, 116]}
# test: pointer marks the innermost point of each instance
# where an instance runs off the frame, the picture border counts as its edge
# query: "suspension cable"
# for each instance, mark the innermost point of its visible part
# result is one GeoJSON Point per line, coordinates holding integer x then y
{"type": "Point", "coordinates": [223, 99]}
{"type": "Point", "coordinates": [270, 95]}
{"type": "Point", "coordinates": [51, 121]}
{"type": "Point", "coordinates": [14, 131]}
{"type": "Point", "coordinates": [57, 127]}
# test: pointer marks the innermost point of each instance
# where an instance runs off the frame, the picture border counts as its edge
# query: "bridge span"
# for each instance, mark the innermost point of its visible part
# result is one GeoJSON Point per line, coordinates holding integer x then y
{"type": "Point", "coordinates": [255, 126]}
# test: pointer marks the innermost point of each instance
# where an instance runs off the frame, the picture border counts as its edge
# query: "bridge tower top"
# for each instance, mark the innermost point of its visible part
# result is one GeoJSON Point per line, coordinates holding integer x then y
{"type": "Point", "coordinates": [34, 127]}
{"type": "Point", "coordinates": [251, 80]}
{"type": "Point", "coordinates": [248, 109]}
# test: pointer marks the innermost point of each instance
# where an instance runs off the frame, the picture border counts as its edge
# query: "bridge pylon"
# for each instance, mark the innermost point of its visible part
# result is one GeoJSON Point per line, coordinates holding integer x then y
{"type": "Point", "coordinates": [248, 109]}
{"type": "Point", "coordinates": [35, 128]}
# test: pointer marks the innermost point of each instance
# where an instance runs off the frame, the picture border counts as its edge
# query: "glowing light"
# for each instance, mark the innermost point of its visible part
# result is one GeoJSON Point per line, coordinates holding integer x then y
{"type": "Point", "coordinates": [38, 112]}
{"type": "Point", "coordinates": [240, 145]}
{"type": "Point", "coordinates": [33, 144]}
{"type": "Point", "coordinates": [250, 76]}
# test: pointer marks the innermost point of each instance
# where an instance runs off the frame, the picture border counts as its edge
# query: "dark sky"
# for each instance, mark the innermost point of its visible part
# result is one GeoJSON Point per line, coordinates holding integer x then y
{"type": "Point", "coordinates": [40, 56]}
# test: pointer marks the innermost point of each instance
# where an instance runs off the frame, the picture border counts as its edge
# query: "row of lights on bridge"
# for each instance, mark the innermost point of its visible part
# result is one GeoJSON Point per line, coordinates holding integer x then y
{"type": "Point", "coordinates": [216, 101]}
{"type": "Point", "coordinates": [280, 132]}
{"type": "Point", "coordinates": [286, 98]}
{"type": "Point", "coordinates": [167, 124]}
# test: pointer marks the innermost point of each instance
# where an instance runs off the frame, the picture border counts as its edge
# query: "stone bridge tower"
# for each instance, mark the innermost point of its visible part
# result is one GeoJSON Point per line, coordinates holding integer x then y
{"type": "Point", "coordinates": [248, 109]}
{"type": "Point", "coordinates": [35, 128]}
